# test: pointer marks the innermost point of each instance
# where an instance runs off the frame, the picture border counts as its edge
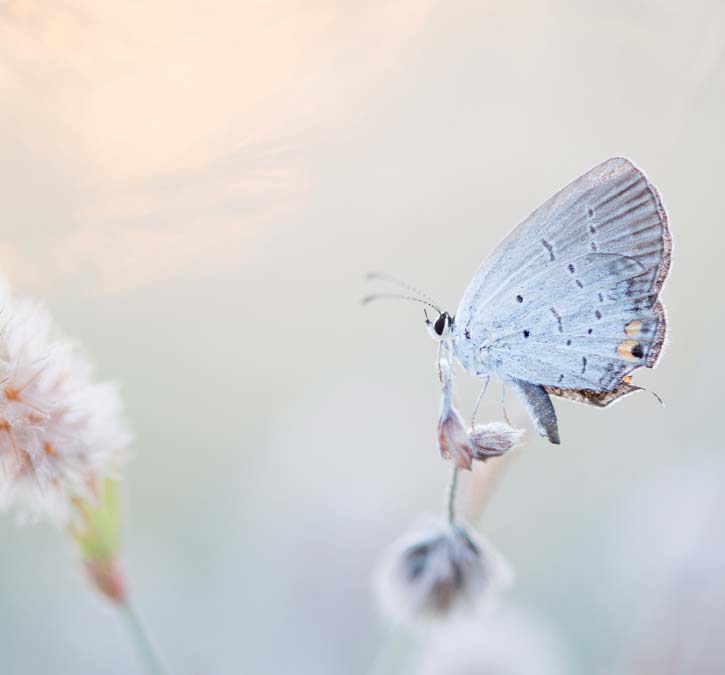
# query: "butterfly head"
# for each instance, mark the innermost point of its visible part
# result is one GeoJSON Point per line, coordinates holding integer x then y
{"type": "Point", "coordinates": [440, 328]}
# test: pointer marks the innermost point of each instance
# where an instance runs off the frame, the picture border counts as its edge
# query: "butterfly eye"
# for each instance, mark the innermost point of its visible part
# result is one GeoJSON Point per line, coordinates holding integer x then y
{"type": "Point", "coordinates": [440, 325]}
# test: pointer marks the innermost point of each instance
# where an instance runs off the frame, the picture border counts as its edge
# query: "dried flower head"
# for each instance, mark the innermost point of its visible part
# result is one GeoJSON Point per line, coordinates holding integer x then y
{"type": "Point", "coordinates": [453, 438]}
{"type": "Point", "coordinates": [431, 572]}
{"type": "Point", "coordinates": [57, 426]}
{"type": "Point", "coordinates": [493, 439]}
{"type": "Point", "coordinates": [461, 445]}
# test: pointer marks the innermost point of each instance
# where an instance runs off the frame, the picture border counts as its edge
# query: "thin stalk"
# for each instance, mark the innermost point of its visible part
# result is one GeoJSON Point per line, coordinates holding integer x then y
{"type": "Point", "coordinates": [452, 496]}
{"type": "Point", "coordinates": [147, 651]}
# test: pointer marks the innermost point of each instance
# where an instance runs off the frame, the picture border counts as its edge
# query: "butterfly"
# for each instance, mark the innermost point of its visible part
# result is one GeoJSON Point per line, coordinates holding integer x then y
{"type": "Point", "coordinates": [568, 304]}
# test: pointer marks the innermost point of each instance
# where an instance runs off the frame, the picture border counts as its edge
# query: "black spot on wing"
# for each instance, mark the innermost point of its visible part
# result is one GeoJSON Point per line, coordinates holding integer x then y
{"type": "Point", "coordinates": [558, 318]}
{"type": "Point", "coordinates": [549, 248]}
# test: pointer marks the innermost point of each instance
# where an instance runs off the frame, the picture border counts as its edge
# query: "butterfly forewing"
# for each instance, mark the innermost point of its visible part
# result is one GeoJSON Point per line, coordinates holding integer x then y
{"type": "Point", "coordinates": [569, 299]}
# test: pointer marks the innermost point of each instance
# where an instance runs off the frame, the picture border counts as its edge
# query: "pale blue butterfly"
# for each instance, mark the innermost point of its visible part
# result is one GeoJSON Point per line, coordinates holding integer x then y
{"type": "Point", "coordinates": [568, 303]}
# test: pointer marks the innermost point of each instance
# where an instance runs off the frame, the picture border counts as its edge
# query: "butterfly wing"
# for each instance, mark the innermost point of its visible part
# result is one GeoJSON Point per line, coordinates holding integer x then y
{"type": "Point", "coordinates": [569, 300]}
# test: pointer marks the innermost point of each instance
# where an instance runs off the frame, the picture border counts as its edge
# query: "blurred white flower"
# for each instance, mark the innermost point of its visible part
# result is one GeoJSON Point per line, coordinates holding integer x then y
{"type": "Point", "coordinates": [58, 428]}
{"type": "Point", "coordinates": [501, 642]}
{"type": "Point", "coordinates": [431, 572]}
{"type": "Point", "coordinates": [493, 439]}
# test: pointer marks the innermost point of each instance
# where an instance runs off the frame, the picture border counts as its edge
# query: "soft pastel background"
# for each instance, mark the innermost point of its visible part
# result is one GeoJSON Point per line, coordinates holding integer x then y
{"type": "Point", "coordinates": [197, 190]}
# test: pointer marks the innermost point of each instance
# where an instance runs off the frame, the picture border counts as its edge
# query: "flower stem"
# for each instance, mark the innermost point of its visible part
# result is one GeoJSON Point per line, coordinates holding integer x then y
{"type": "Point", "coordinates": [452, 496]}
{"type": "Point", "coordinates": [147, 651]}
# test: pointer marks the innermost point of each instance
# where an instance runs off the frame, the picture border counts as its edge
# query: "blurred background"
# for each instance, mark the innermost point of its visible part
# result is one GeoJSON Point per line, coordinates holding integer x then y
{"type": "Point", "coordinates": [197, 190]}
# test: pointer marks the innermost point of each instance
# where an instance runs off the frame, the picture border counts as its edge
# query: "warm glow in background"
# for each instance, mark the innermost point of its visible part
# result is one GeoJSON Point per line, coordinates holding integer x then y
{"type": "Point", "coordinates": [197, 190]}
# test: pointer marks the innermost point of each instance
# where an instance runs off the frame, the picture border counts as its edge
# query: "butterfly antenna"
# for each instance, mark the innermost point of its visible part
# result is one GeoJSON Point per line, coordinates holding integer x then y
{"type": "Point", "coordinates": [371, 276]}
{"type": "Point", "coordinates": [397, 296]}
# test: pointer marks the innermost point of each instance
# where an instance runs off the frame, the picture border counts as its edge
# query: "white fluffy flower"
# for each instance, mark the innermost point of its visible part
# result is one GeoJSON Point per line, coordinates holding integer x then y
{"type": "Point", "coordinates": [433, 571]}
{"type": "Point", "coordinates": [57, 427]}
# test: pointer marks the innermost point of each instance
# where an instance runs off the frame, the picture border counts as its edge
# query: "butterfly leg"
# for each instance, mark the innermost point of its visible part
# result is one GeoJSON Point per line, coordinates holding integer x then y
{"type": "Point", "coordinates": [438, 361]}
{"type": "Point", "coordinates": [478, 401]}
{"type": "Point", "coordinates": [503, 402]}
{"type": "Point", "coordinates": [540, 408]}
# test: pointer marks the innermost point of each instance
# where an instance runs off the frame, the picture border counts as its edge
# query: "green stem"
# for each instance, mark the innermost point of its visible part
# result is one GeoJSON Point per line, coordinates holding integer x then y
{"type": "Point", "coordinates": [147, 651]}
{"type": "Point", "coordinates": [452, 496]}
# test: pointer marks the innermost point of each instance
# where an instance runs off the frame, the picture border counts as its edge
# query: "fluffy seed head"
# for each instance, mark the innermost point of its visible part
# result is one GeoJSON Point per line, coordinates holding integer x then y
{"type": "Point", "coordinates": [493, 439]}
{"type": "Point", "coordinates": [431, 572]}
{"type": "Point", "coordinates": [57, 426]}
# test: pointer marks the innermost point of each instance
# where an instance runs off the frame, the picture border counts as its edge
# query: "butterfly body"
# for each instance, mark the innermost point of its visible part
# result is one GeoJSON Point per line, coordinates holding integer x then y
{"type": "Point", "coordinates": [568, 303]}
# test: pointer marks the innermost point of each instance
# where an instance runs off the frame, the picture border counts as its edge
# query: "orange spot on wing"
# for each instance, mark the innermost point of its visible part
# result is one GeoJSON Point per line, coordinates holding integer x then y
{"type": "Point", "coordinates": [624, 349]}
{"type": "Point", "coordinates": [633, 328]}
